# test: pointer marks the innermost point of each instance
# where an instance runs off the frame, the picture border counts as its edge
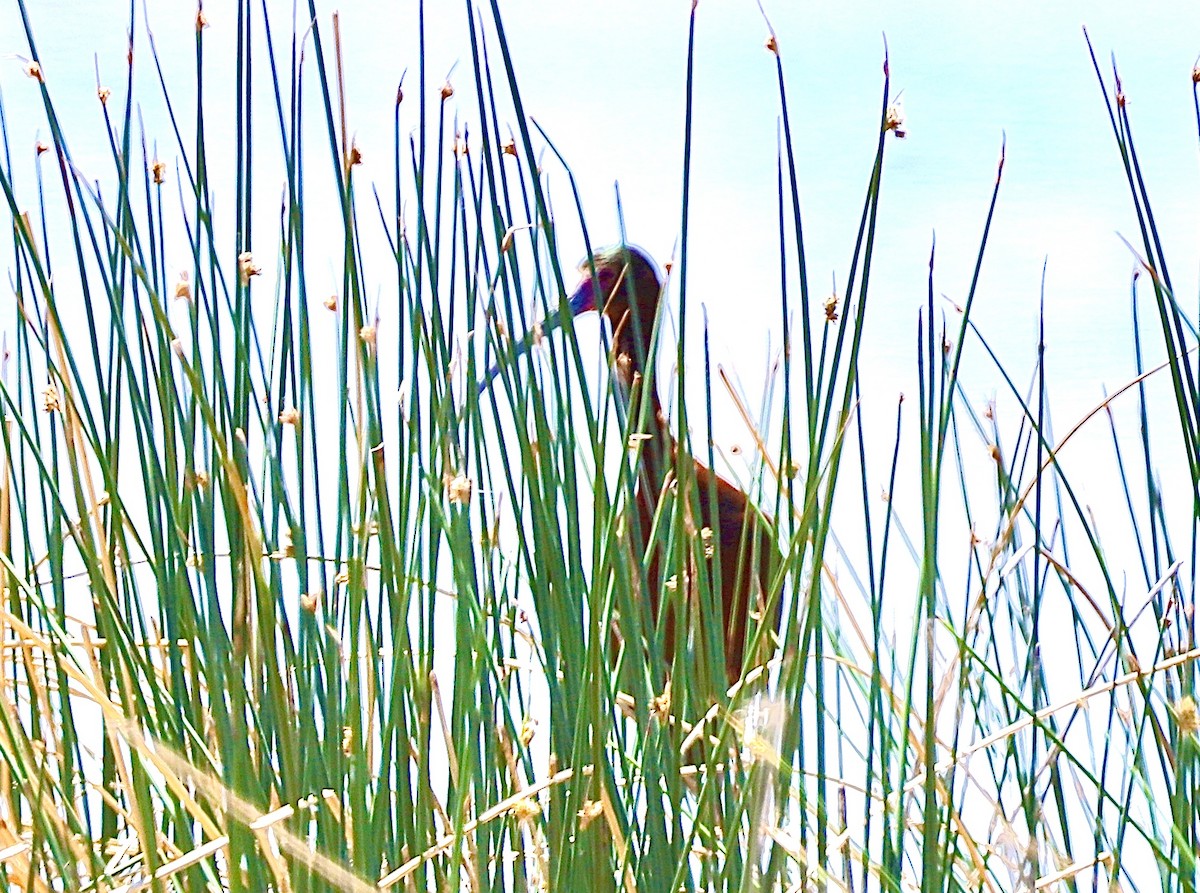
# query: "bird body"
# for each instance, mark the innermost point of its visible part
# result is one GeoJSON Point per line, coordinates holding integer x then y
{"type": "Point", "coordinates": [623, 285]}
{"type": "Point", "coordinates": [733, 538]}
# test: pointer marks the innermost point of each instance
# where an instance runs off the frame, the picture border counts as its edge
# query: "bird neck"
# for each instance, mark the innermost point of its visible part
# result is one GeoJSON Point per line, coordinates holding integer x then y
{"type": "Point", "coordinates": [654, 431]}
{"type": "Point", "coordinates": [633, 349]}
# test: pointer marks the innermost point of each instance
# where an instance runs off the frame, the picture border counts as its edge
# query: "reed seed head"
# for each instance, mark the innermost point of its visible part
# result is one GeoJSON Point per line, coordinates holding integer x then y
{"type": "Point", "coordinates": [661, 706]}
{"type": "Point", "coordinates": [831, 308]}
{"type": "Point", "coordinates": [527, 809]}
{"type": "Point", "coordinates": [589, 813]}
{"type": "Point", "coordinates": [51, 402]}
{"type": "Point", "coordinates": [247, 267]}
{"type": "Point", "coordinates": [1187, 716]}
{"type": "Point", "coordinates": [459, 489]}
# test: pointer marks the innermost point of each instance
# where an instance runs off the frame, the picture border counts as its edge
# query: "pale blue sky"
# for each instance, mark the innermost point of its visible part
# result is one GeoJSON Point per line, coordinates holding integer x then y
{"type": "Point", "coordinates": [606, 81]}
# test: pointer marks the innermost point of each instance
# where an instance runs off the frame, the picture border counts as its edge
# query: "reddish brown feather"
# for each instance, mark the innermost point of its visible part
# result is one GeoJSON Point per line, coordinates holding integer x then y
{"type": "Point", "coordinates": [628, 284]}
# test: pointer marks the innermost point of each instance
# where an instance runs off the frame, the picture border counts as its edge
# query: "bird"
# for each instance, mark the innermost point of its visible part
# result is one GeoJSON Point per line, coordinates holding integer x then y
{"type": "Point", "coordinates": [622, 284]}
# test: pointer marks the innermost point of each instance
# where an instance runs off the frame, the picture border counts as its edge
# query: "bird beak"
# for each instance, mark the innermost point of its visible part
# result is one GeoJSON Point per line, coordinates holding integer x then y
{"type": "Point", "coordinates": [582, 300]}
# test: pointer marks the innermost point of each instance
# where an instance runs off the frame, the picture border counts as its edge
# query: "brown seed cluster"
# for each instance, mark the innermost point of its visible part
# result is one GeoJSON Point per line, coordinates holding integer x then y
{"type": "Point", "coordinates": [458, 489]}
{"type": "Point", "coordinates": [661, 706]}
{"type": "Point", "coordinates": [831, 308]}
{"type": "Point", "coordinates": [247, 267]}
{"type": "Point", "coordinates": [589, 813]}
{"type": "Point", "coordinates": [527, 809]}
{"type": "Point", "coordinates": [51, 402]}
{"type": "Point", "coordinates": [1187, 715]}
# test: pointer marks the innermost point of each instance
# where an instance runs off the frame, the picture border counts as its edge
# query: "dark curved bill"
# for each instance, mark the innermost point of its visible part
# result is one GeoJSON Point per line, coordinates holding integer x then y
{"type": "Point", "coordinates": [582, 300]}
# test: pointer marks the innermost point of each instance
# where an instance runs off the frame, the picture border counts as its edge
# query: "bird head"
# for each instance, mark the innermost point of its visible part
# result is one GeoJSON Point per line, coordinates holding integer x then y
{"type": "Point", "coordinates": [622, 284]}
{"type": "Point", "coordinates": [617, 281]}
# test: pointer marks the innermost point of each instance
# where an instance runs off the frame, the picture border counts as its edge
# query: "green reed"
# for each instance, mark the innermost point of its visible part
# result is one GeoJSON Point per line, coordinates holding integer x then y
{"type": "Point", "coordinates": [290, 604]}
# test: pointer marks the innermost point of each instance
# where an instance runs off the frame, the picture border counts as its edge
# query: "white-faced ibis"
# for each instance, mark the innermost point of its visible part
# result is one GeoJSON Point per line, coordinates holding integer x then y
{"type": "Point", "coordinates": [625, 289]}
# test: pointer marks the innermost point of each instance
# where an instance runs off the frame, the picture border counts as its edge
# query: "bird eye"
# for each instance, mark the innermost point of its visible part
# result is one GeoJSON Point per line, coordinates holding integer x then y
{"type": "Point", "coordinates": [606, 279]}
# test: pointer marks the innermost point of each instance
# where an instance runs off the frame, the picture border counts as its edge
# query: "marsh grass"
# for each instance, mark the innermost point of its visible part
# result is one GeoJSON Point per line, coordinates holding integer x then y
{"type": "Point", "coordinates": [289, 604]}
